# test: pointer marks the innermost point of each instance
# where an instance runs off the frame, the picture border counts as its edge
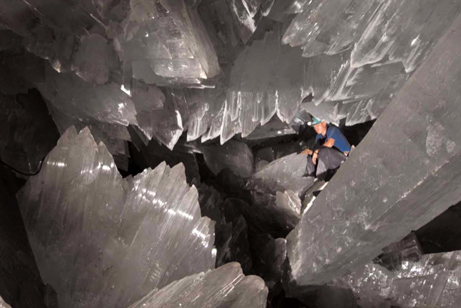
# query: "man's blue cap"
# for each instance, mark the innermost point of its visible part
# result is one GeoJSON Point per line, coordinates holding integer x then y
{"type": "Point", "coordinates": [314, 121]}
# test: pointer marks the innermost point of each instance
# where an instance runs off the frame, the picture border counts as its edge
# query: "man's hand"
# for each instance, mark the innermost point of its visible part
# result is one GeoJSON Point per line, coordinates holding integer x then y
{"type": "Point", "coordinates": [314, 158]}
{"type": "Point", "coordinates": [307, 152]}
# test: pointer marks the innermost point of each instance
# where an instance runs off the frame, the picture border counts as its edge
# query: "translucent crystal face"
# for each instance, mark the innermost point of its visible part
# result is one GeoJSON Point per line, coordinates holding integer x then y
{"type": "Point", "coordinates": [132, 235]}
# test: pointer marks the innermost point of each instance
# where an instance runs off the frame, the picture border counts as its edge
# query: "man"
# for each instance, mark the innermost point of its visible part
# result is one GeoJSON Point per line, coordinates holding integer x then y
{"type": "Point", "coordinates": [330, 150]}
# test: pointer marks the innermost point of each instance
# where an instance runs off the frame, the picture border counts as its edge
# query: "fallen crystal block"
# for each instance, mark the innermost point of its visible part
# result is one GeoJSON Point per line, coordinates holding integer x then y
{"type": "Point", "coordinates": [286, 173]}
{"type": "Point", "coordinates": [225, 287]}
{"type": "Point", "coordinates": [27, 132]}
{"type": "Point", "coordinates": [434, 281]}
{"type": "Point", "coordinates": [234, 155]}
{"type": "Point", "coordinates": [103, 241]}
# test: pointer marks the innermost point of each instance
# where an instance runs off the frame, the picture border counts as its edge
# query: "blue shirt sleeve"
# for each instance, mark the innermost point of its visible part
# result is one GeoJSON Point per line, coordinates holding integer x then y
{"type": "Point", "coordinates": [333, 133]}
{"type": "Point", "coordinates": [341, 142]}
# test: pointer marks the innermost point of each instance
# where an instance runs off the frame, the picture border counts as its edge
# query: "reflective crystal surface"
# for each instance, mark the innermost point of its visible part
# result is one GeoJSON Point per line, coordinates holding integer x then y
{"type": "Point", "coordinates": [224, 287]}
{"type": "Point", "coordinates": [103, 241]}
{"type": "Point", "coordinates": [434, 281]}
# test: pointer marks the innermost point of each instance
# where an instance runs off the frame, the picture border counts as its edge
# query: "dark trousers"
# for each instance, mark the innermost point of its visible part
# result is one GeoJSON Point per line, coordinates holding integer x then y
{"type": "Point", "coordinates": [327, 159]}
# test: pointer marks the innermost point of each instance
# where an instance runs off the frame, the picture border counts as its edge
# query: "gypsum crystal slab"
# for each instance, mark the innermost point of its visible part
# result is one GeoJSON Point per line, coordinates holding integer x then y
{"type": "Point", "coordinates": [103, 241]}
{"type": "Point", "coordinates": [225, 287]}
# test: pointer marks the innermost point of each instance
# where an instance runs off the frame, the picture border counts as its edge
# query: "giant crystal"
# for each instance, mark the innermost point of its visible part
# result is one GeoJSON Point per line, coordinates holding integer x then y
{"type": "Point", "coordinates": [389, 185]}
{"type": "Point", "coordinates": [103, 241]}
{"type": "Point", "coordinates": [225, 287]}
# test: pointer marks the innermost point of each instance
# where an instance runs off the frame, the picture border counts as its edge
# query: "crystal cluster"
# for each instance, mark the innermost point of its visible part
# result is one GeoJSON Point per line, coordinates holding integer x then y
{"type": "Point", "coordinates": [354, 56]}
{"type": "Point", "coordinates": [360, 52]}
{"type": "Point", "coordinates": [434, 281]}
{"type": "Point", "coordinates": [224, 287]}
{"type": "Point", "coordinates": [103, 241]}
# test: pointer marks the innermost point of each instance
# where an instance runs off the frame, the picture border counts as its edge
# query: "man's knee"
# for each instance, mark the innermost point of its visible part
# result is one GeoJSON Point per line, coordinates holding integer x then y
{"type": "Point", "coordinates": [331, 157]}
{"type": "Point", "coordinates": [324, 151]}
